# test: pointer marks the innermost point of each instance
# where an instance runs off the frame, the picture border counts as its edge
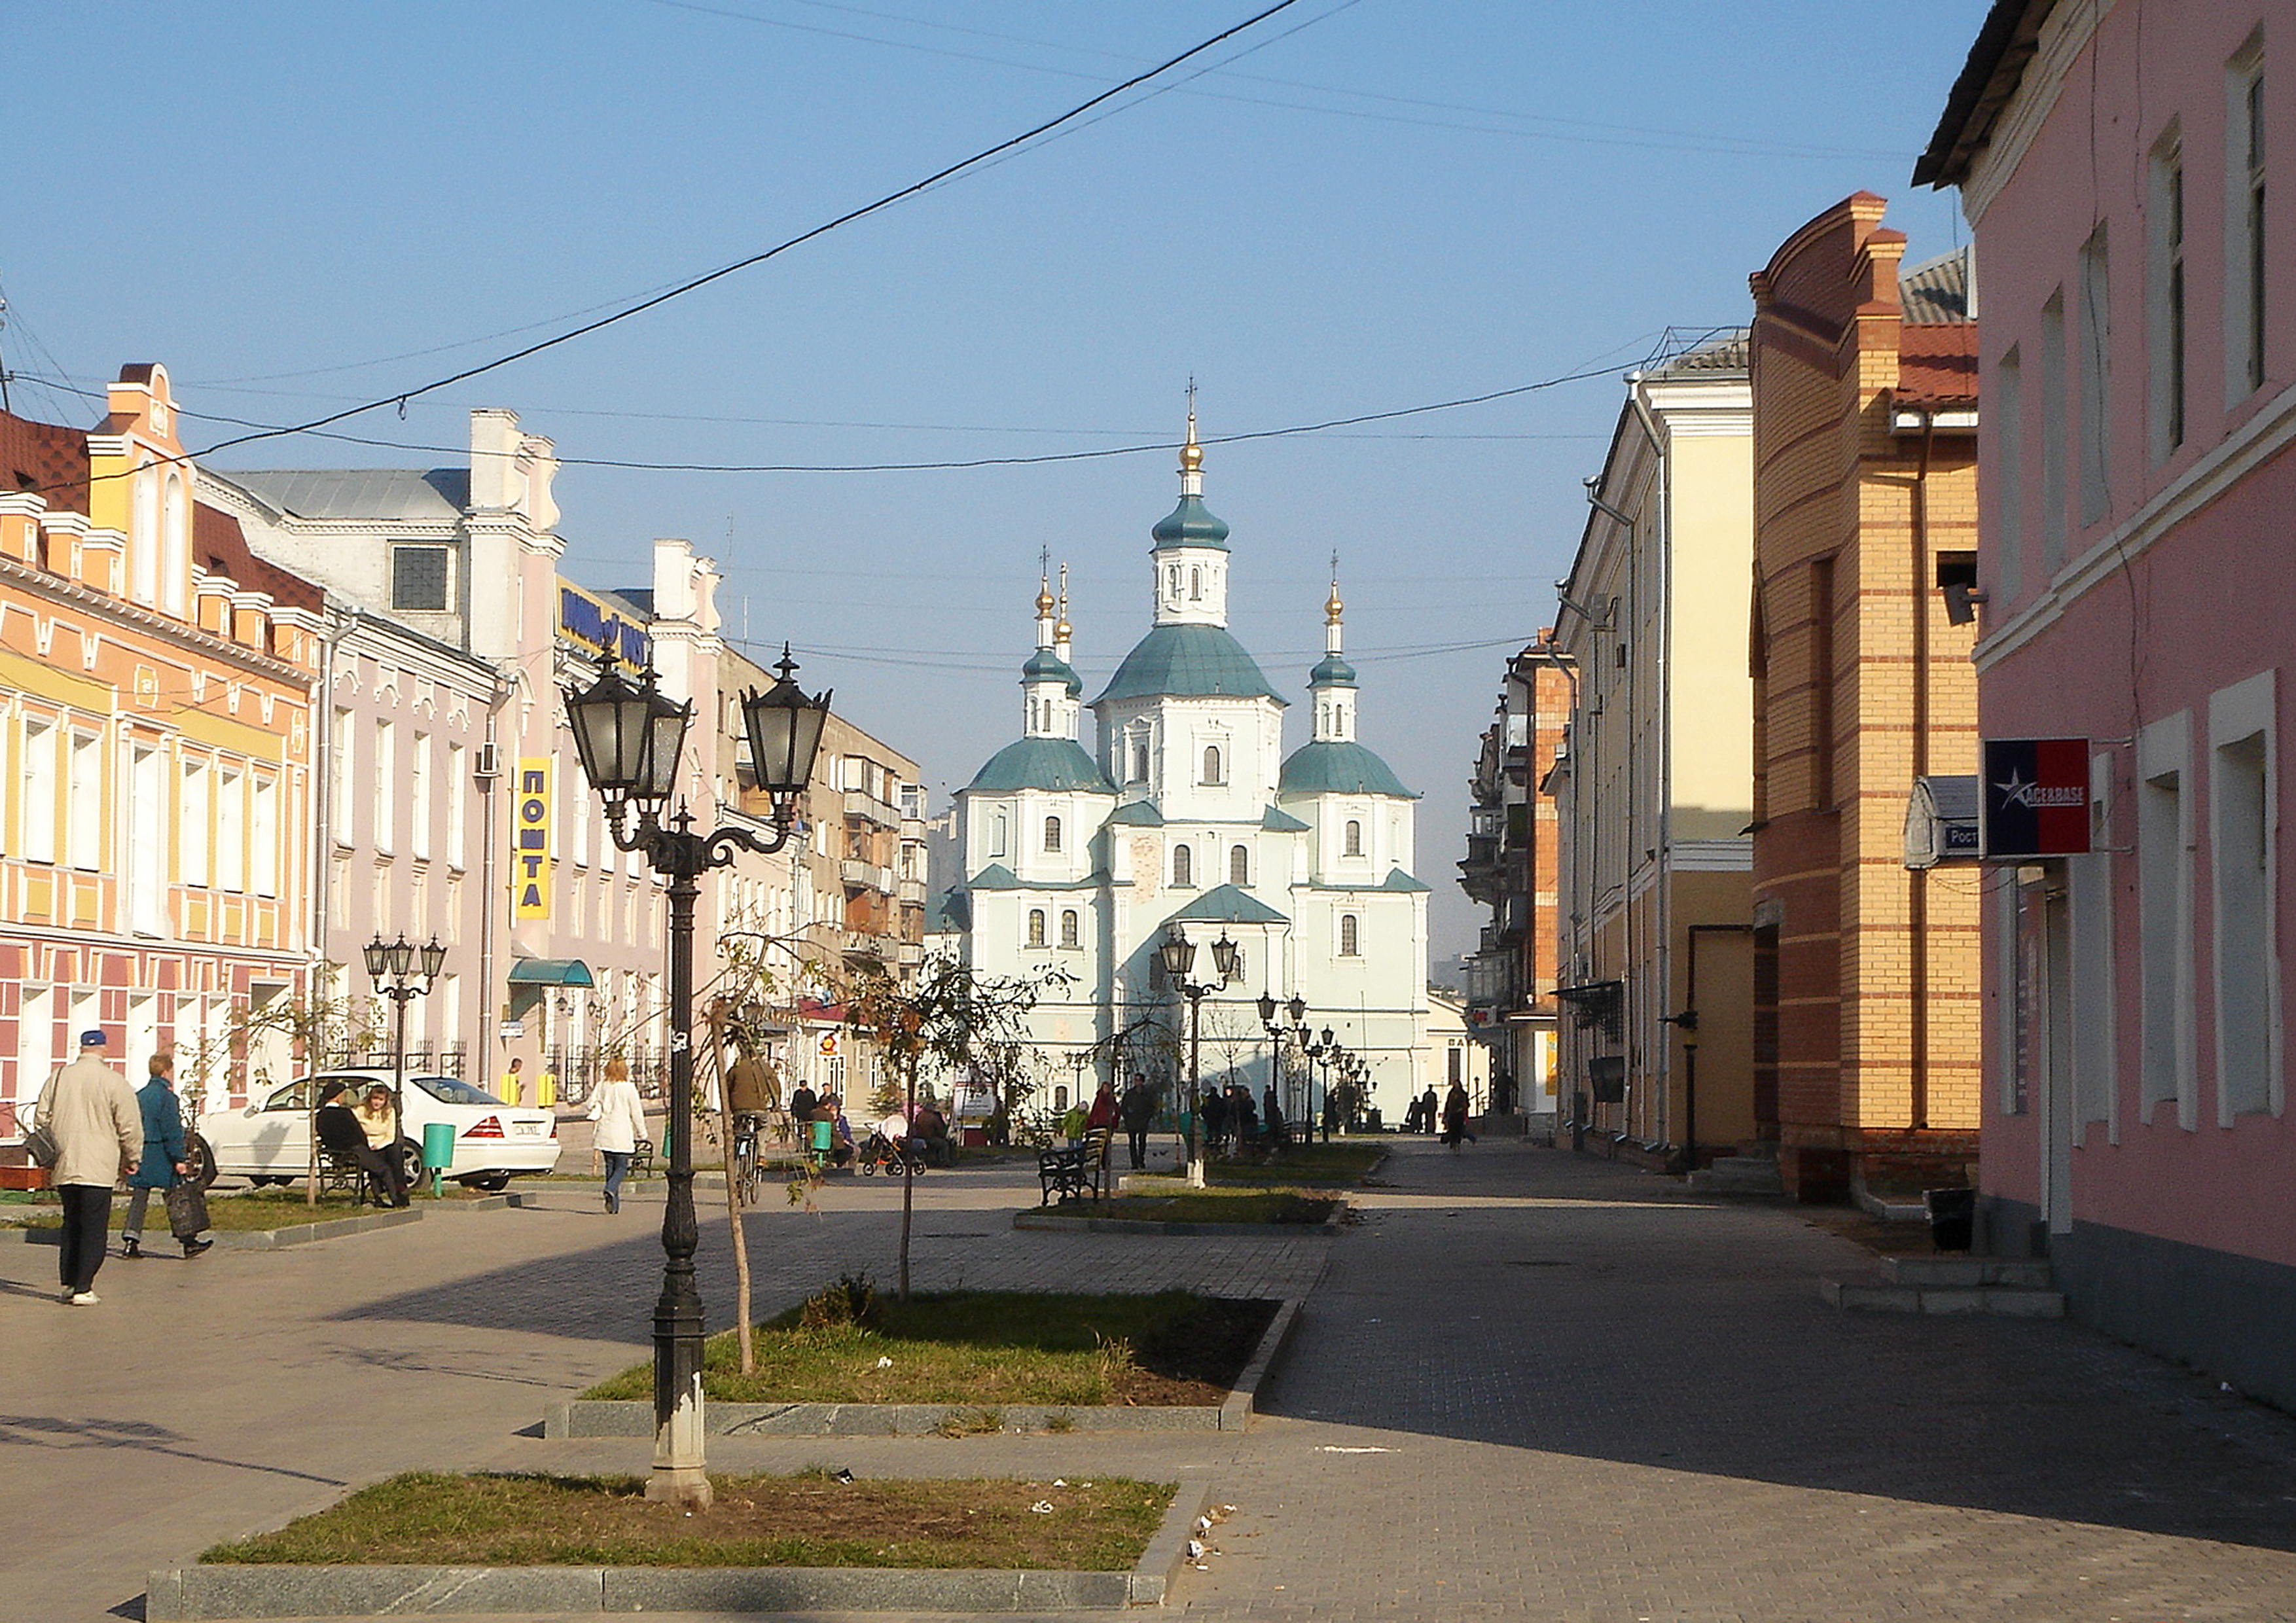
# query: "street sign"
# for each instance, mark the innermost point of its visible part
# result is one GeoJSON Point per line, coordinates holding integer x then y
{"type": "Point", "coordinates": [2034, 799]}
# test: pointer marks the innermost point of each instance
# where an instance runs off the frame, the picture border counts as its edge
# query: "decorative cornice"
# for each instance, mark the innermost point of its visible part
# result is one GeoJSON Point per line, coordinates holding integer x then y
{"type": "Point", "coordinates": [181, 633]}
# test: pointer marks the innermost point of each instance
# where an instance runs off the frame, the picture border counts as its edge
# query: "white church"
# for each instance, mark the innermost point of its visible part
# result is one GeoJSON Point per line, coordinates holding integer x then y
{"type": "Point", "coordinates": [1188, 816]}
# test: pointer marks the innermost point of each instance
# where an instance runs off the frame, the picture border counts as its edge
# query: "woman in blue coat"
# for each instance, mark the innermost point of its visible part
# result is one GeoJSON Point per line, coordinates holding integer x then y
{"type": "Point", "coordinates": [164, 1155]}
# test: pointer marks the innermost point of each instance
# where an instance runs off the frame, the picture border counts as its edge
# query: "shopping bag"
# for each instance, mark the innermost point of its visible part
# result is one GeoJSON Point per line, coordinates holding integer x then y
{"type": "Point", "coordinates": [187, 1210]}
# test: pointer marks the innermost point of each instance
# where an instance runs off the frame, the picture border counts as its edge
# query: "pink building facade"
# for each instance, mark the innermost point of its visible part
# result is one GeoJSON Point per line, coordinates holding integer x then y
{"type": "Point", "coordinates": [2138, 465]}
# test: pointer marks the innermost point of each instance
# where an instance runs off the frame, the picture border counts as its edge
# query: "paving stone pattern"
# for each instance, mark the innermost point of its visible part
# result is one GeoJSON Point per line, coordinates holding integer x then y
{"type": "Point", "coordinates": [1526, 1385]}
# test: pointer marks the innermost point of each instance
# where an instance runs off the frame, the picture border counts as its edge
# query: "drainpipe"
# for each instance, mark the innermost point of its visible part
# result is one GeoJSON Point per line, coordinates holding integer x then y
{"type": "Point", "coordinates": [338, 626]}
{"type": "Point", "coordinates": [1661, 655]}
{"type": "Point", "coordinates": [1632, 637]}
{"type": "Point", "coordinates": [488, 773]}
{"type": "Point", "coordinates": [1917, 898]}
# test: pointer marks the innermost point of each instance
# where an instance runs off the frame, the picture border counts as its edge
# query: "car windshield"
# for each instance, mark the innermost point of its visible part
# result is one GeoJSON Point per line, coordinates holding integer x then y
{"type": "Point", "coordinates": [447, 1090]}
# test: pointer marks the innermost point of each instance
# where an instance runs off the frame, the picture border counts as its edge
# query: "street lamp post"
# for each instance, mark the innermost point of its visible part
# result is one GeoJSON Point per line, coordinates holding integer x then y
{"type": "Point", "coordinates": [1271, 1015]}
{"type": "Point", "coordinates": [398, 960]}
{"type": "Point", "coordinates": [629, 736]}
{"type": "Point", "coordinates": [1179, 955]}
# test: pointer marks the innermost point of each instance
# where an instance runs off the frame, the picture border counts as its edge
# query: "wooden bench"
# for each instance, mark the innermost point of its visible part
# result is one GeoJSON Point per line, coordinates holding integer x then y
{"type": "Point", "coordinates": [1067, 1173]}
{"type": "Point", "coordinates": [339, 1175]}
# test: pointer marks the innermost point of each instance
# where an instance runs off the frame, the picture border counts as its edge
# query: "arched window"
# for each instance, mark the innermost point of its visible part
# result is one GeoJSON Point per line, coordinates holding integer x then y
{"type": "Point", "coordinates": [1195, 585]}
{"type": "Point", "coordinates": [1060, 1098]}
{"type": "Point", "coordinates": [1355, 838]}
{"type": "Point", "coordinates": [144, 538]}
{"type": "Point", "coordinates": [1239, 866]}
{"type": "Point", "coordinates": [1212, 765]}
{"type": "Point", "coordinates": [176, 545]}
{"type": "Point", "coordinates": [1069, 928]}
{"type": "Point", "coordinates": [996, 836]}
{"type": "Point", "coordinates": [1036, 927]}
{"type": "Point", "coordinates": [1175, 582]}
{"type": "Point", "coordinates": [1349, 943]}
{"type": "Point", "coordinates": [1183, 867]}
{"type": "Point", "coordinates": [1051, 833]}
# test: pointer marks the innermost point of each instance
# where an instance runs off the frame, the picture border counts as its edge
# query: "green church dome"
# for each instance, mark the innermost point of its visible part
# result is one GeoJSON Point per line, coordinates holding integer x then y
{"type": "Point", "coordinates": [1041, 763]}
{"type": "Point", "coordinates": [1189, 524]}
{"type": "Point", "coordinates": [1188, 662]}
{"type": "Point", "coordinates": [1333, 768]}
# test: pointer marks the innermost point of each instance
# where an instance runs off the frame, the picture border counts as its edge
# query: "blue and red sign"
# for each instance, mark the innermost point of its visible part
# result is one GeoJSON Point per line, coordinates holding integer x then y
{"type": "Point", "coordinates": [2033, 798]}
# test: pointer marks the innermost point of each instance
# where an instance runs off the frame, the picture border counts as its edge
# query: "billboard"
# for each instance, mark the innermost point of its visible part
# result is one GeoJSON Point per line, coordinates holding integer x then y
{"type": "Point", "coordinates": [530, 840]}
{"type": "Point", "coordinates": [2034, 799]}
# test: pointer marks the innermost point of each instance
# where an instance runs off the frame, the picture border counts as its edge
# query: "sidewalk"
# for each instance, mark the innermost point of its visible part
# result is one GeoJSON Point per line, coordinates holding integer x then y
{"type": "Point", "coordinates": [1527, 1386]}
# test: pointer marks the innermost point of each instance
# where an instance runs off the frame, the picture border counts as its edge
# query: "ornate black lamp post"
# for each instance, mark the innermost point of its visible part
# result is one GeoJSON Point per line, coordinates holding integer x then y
{"type": "Point", "coordinates": [1179, 955]}
{"type": "Point", "coordinates": [401, 961]}
{"type": "Point", "coordinates": [628, 736]}
{"type": "Point", "coordinates": [1271, 1015]}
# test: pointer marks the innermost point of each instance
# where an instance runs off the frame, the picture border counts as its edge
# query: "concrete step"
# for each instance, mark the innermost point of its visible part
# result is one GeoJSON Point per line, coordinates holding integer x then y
{"type": "Point", "coordinates": [1963, 1271]}
{"type": "Point", "coordinates": [1871, 1293]}
{"type": "Point", "coordinates": [1738, 1175]}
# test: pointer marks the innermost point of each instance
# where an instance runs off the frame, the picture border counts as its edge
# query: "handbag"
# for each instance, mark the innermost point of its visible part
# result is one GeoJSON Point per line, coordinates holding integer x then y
{"type": "Point", "coordinates": [187, 1210]}
{"type": "Point", "coordinates": [41, 1145]}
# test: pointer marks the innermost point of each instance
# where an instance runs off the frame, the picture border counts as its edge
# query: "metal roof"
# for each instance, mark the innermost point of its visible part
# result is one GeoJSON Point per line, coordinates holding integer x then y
{"type": "Point", "coordinates": [1227, 905]}
{"type": "Point", "coordinates": [1329, 767]}
{"type": "Point", "coordinates": [1041, 763]}
{"type": "Point", "coordinates": [1189, 524]}
{"type": "Point", "coordinates": [388, 494]}
{"type": "Point", "coordinates": [1943, 289]}
{"type": "Point", "coordinates": [1188, 662]}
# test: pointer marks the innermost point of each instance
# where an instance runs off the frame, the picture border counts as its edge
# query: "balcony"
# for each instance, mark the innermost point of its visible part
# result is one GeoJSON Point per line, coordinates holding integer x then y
{"type": "Point", "coordinates": [860, 875]}
{"type": "Point", "coordinates": [860, 804]}
{"type": "Point", "coordinates": [912, 891]}
{"type": "Point", "coordinates": [912, 953]}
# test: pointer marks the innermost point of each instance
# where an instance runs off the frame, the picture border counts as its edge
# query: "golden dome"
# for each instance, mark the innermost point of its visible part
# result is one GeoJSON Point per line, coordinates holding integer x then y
{"type": "Point", "coordinates": [1333, 606]}
{"type": "Point", "coordinates": [1043, 599]}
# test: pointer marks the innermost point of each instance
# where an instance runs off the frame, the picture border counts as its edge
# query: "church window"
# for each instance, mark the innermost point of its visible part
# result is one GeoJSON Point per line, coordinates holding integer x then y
{"type": "Point", "coordinates": [1212, 765]}
{"type": "Point", "coordinates": [1175, 582]}
{"type": "Point", "coordinates": [1349, 940]}
{"type": "Point", "coordinates": [1239, 866]}
{"type": "Point", "coordinates": [1183, 866]}
{"type": "Point", "coordinates": [1139, 759]}
{"type": "Point", "coordinates": [1195, 585]}
{"type": "Point", "coordinates": [1060, 1099]}
{"type": "Point", "coordinates": [1355, 838]}
{"type": "Point", "coordinates": [1036, 927]}
{"type": "Point", "coordinates": [996, 836]}
{"type": "Point", "coordinates": [1069, 926]}
{"type": "Point", "coordinates": [1051, 833]}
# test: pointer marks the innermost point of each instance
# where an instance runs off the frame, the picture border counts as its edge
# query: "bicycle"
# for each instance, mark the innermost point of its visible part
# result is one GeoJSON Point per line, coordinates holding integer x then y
{"type": "Point", "coordinates": [747, 1164]}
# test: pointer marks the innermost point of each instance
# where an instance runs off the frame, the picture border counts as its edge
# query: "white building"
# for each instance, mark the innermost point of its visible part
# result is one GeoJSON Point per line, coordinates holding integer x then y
{"type": "Point", "coordinates": [1189, 818]}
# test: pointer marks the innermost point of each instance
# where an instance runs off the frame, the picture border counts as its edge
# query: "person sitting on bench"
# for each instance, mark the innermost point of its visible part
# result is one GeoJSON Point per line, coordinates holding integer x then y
{"type": "Point", "coordinates": [345, 1137]}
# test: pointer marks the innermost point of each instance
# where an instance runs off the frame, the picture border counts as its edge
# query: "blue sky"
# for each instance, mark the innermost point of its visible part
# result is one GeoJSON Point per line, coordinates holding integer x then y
{"type": "Point", "coordinates": [1365, 205]}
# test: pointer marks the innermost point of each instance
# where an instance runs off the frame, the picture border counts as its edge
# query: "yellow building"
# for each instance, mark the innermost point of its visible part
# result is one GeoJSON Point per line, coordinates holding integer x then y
{"type": "Point", "coordinates": [155, 683]}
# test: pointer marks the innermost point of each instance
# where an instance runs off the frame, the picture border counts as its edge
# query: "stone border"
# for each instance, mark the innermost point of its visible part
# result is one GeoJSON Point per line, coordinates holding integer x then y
{"type": "Point", "coordinates": [196, 1591]}
{"type": "Point", "coordinates": [592, 1417]}
{"type": "Point", "coordinates": [1037, 1218]}
{"type": "Point", "coordinates": [254, 1239]}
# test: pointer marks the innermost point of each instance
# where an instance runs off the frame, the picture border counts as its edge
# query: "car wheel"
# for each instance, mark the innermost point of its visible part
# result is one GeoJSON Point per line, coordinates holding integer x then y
{"type": "Point", "coordinates": [200, 1159]}
{"type": "Point", "coordinates": [410, 1161]}
{"type": "Point", "coordinates": [489, 1183]}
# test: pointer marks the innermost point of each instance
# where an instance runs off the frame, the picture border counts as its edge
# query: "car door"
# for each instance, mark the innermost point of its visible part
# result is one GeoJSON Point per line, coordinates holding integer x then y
{"type": "Point", "coordinates": [279, 1140]}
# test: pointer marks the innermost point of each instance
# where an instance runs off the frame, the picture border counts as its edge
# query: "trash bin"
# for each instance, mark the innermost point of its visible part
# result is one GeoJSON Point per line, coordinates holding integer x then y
{"type": "Point", "coordinates": [1953, 1217]}
{"type": "Point", "coordinates": [438, 1149]}
{"type": "Point", "coordinates": [825, 1134]}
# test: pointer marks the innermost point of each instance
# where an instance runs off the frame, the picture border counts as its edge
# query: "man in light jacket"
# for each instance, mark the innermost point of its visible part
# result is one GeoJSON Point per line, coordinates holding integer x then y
{"type": "Point", "coordinates": [99, 1132]}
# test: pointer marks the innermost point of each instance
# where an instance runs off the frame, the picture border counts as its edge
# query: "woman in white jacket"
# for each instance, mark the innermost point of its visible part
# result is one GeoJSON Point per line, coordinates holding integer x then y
{"type": "Point", "coordinates": [620, 1117]}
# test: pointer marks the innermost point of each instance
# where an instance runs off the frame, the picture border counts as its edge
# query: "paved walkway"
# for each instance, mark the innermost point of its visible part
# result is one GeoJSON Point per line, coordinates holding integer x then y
{"type": "Point", "coordinates": [1528, 1386]}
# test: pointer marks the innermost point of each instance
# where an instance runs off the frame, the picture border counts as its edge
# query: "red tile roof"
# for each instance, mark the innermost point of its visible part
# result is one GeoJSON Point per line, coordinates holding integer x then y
{"type": "Point", "coordinates": [220, 548]}
{"type": "Point", "coordinates": [1936, 364]}
{"type": "Point", "coordinates": [49, 460]}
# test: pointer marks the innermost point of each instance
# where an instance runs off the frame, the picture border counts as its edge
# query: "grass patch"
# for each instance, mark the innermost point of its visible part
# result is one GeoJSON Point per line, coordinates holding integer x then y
{"type": "Point", "coordinates": [984, 1349]}
{"type": "Point", "coordinates": [1329, 1165]}
{"type": "Point", "coordinates": [1214, 1206]}
{"type": "Point", "coordinates": [238, 1214]}
{"type": "Point", "coordinates": [810, 1519]}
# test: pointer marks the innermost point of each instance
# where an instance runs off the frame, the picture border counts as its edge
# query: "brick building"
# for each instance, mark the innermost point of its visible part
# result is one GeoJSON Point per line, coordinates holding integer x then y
{"type": "Point", "coordinates": [1864, 503]}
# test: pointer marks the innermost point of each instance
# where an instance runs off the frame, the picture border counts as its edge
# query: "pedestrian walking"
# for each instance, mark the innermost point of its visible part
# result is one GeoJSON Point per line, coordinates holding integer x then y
{"type": "Point", "coordinates": [1138, 1109]}
{"type": "Point", "coordinates": [1271, 1118]}
{"type": "Point", "coordinates": [1429, 1115]}
{"type": "Point", "coordinates": [1455, 1116]}
{"type": "Point", "coordinates": [98, 1127]}
{"type": "Point", "coordinates": [165, 1160]}
{"type": "Point", "coordinates": [1214, 1108]}
{"type": "Point", "coordinates": [1103, 1112]}
{"type": "Point", "coordinates": [620, 1117]}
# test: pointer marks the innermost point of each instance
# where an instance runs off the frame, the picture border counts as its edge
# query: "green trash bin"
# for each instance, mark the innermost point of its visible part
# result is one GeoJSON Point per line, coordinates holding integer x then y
{"type": "Point", "coordinates": [824, 1134]}
{"type": "Point", "coordinates": [438, 1149]}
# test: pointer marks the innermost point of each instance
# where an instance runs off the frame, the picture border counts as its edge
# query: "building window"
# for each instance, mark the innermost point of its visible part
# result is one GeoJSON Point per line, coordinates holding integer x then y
{"type": "Point", "coordinates": [2007, 405]}
{"type": "Point", "coordinates": [2244, 248]}
{"type": "Point", "coordinates": [1350, 945]}
{"type": "Point", "coordinates": [1183, 867]}
{"type": "Point", "coordinates": [1212, 765]}
{"type": "Point", "coordinates": [2054, 496]}
{"type": "Point", "coordinates": [1195, 585]}
{"type": "Point", "coordinates": [1070, 925]}
{"type": "Point", "coordinates": [263, 831]}
{"type": "Point", "coordinates": [1036, 927]}
{"type": "Point", "coordinates": [386, 772]}
{"type": "Point", "coordinates": [176, 545]}
{"type": "Point", "coordinates": [83, 802]}
{"type": "Point", "coordinates": [418, 578]}
{"type": "Point", "coordinates": [1051, 833]}
{"type": "Point", "coordinates": [2242, 818]}
{"type": "Point", "coordinates": [231, 831]}
{"type": "Point", "coordinates": [2164, 884]}
{"type": "Point", "coordinates": [1354, 847]}
{"type": "Point", "coordinates": [38, 768]}
{"type": "Point", "coordinates": [997, 835]}
{"type": "Point", "coordinates": [2165, 349]}
{"type": "Point", "coordinates": [193, 828]}
{"type": "Point", "coordinates": [2095, 337]}
{"type": "Point", "coordinates": [1239, 865]}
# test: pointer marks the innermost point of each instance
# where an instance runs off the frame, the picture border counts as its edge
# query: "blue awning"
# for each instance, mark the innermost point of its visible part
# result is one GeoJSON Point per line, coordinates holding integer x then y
{"type": "Point", "coordinates": [551, 973]}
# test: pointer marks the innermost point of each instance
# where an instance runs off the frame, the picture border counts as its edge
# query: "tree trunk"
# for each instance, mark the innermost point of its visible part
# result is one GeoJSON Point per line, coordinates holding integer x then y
{"type": "Point", "coordinates": [733, 1199]}
{"type": "Point", "coordinates": [908, 1178]}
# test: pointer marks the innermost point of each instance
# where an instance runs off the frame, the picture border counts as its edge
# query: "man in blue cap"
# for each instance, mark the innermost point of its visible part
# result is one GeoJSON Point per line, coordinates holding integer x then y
{"type": "Point", "coordinates": [99, 1133]}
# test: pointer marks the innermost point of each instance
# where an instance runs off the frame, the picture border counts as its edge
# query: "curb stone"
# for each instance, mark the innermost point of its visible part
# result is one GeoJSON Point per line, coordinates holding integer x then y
{"type": "Point", "coordinates": [592, 1417]}
{"type": "Point", "coordinates": [194, 1591]}
{"type": "Point", "coordinates": [1039, 1218]}
{"type": "Point", "coordinates": [255, 1240]}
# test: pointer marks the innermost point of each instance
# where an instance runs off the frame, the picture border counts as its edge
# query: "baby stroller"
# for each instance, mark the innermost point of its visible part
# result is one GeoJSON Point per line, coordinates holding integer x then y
{"type": "Point", "coordinates": [890, 1156]}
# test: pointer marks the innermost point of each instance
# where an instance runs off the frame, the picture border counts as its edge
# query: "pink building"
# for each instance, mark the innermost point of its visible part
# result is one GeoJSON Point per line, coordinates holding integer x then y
{"type": "Point", "coordinates": [2139, 370]}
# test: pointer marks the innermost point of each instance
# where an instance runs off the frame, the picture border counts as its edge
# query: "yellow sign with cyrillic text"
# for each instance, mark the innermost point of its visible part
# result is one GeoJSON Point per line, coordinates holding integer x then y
{"type": "Point", "coordinates": [530, 840]}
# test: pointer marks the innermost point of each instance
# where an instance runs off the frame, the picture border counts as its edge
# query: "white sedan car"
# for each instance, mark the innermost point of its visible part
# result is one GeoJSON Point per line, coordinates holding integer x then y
{"type": "Point", "coordinates": [269, 1141]}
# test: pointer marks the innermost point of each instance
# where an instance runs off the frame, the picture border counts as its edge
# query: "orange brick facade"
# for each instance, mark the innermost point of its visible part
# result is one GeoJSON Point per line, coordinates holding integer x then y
{"type": "Point", "coordinates": [1866, 999]}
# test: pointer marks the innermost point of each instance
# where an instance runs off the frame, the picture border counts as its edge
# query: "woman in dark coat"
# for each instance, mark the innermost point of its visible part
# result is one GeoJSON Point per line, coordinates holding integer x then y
{"type": "Point", "coordinates": [166, 1156]}
{"type": "Point", "coordinates": [1455, 1117]}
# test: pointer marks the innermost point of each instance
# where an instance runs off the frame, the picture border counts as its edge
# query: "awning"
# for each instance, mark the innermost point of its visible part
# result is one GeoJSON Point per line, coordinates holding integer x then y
{"type": "Point", "coordinates": [551, 973]}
